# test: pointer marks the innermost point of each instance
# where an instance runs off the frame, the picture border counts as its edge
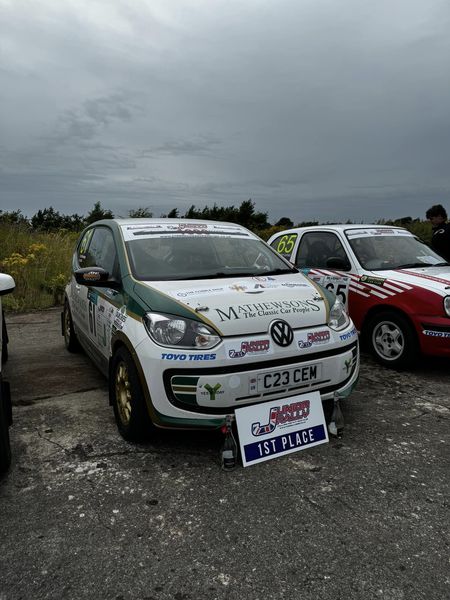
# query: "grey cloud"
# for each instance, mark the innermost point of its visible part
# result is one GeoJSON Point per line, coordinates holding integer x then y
{"type": "Point", "coordinates": [92, 119]}
{"type": "Point", "coordinates": [342, 108]}
{"type": "Point", "coordinates": [199, 146]}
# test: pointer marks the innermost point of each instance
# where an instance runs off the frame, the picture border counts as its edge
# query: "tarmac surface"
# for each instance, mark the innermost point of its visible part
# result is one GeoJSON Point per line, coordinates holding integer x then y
{"type": "Point", "coordinates": [84, 514]}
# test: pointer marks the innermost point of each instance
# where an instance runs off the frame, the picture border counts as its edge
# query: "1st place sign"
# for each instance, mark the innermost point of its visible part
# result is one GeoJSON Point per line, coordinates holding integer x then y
{"type": "Point", "coordinates": [280, 427]}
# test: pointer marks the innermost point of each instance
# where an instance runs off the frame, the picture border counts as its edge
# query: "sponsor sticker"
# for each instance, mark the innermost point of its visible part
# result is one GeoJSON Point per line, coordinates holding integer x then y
{"type": "Point", "coordinates": [194, 292]}
{"type": "Point", "coordinates": [372, 280]}
{"type": "Point", "coordinates": [440, 334]}
{"type": "Point", "coordinates": [319, 337]}
{"type": "Point", "coordinates": [250, 347]}
{"type": "Point", "coordinates": [255, 285]}
{"type": "Point", "coordinates": [92, 296]}
{"type": "Point", "coordinates": [102, 327]}
{"type": "Point", "coordinates": [186, 228]}
{"type": "Point", "coordinates": [91, 276]}
{"type": "Point", "coordinates": [258, 284]}
{"type": "Point", "coordinates": [211, 390]}
{"type": "Point", "coordinates": [263, 309]}
{"type": "Point", "coordinates": [195, 226]}
{"type": "Point", "coordinates": [143, 227]}
{"type": "Point", "coordinates": [348, 335]}
{"type": "Point", "coordinates": [186, 357]}
{"type": "Point", "coordinates": [314, 337]}
{"type": "Point", "coordinates": [120, 318]}
{"type": "Point", "coordinates": [348, 363]}
{"type": "Point", "coordinates": [304, 343]}
{"type": "Point", "coordinates": [280, 427]}
{"type": "Point", "coordinates": [252, 287]}
{"type": "Point", "coordinates": [289, 284]}
{"type": "Point", "coordinates": [374, 232]}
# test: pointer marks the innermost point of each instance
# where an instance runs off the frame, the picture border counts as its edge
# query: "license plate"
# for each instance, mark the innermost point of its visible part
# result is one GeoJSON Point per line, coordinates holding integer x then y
{"type": "Point", "coordinates": [286, 378]}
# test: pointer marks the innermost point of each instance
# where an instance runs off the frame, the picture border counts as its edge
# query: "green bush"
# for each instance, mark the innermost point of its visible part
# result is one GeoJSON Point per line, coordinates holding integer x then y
{"type": "Point", "coordinates": [39, 262]}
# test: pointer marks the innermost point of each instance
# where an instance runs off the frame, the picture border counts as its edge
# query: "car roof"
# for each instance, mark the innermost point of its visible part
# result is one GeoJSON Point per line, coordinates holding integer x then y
{"type": "Point", "coordinates": [344, 227]}
{"type": "Point", "coordinates": [163, 221]}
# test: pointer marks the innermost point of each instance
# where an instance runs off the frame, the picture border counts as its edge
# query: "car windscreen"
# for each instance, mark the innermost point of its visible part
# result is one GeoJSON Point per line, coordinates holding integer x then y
{"type": "Point", "coordinates": [376, 250]}
{"type": "Point", "coordinates": [202, 257]}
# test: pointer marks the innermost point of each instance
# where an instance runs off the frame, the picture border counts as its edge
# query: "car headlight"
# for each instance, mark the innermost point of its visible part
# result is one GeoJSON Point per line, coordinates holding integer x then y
{"type": "Point", "coordinates": [447, 305]}
{"type": "Point", "coordinates": [338, 316]}
{"type": "Point", "coordinates": [170, 331]}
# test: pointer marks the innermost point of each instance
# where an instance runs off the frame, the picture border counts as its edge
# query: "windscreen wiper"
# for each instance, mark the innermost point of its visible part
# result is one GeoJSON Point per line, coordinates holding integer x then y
{"type": "Point", "coordinates": [233, 273]}
{"type": "Point", "coordinates": [217, 275]}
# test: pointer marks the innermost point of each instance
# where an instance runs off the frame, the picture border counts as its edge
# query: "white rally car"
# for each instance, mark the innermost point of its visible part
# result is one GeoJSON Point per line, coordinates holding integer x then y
{"type": "Point", "coordinates": [193, 319]}
{"type": "Point", "coordinates": [7, 285]}
{"type": "Point", "coordinates": [396, 288]}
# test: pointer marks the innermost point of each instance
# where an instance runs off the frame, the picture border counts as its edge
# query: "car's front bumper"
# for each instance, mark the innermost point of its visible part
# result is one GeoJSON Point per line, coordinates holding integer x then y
{"type": "Point", "coordinates": [203, 396]}
{"type": "Point", "coordinates": [434, 335]}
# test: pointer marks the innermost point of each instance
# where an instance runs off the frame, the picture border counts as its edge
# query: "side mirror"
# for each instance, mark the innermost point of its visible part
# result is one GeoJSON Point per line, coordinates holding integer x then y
{"type": "Point", "coordinates": [95, 276]}
{"type": "Point", "coordinates": [7, 284]}
{"type": "Point", "coordinates": [338, 263]}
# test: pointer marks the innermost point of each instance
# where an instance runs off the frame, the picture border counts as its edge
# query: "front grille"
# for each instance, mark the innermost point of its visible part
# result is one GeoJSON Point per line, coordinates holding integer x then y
{"type": "Point", "coordinates": [269, 364]}
{"type": "Point", "coordinates": [317, 385]}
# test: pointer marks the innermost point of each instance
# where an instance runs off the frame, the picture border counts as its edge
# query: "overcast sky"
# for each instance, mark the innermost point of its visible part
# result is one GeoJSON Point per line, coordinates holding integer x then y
{"type": "Point", "coordinates": [315, 109]}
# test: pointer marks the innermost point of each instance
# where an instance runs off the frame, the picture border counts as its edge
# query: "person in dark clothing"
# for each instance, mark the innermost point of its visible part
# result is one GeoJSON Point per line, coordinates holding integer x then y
{"type": "Point", "coordinates": [440, 241]}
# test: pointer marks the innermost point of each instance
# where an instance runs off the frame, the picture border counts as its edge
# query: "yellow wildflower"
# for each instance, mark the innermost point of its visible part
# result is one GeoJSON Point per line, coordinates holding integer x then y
{"type": "Point", "coordinates": [36, 248]}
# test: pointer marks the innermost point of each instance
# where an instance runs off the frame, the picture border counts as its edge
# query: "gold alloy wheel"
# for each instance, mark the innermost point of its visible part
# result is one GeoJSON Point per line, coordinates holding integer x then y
{"type": "Point", "coordinates": [123, 393]}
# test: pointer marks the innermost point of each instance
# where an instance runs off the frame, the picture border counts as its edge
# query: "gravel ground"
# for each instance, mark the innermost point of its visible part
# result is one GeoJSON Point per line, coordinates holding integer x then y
{"type": "Point", "coordinates": [84, 514]}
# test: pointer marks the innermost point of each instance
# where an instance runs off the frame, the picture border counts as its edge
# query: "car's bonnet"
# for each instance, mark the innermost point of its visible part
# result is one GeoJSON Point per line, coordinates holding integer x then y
{"type": "Point", "coordinates": [243, 306]}
{"type": "Point", "coordinates": [436, 279]}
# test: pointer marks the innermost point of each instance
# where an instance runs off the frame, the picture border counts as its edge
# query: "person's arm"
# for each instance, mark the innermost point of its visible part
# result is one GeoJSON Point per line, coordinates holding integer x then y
{"type": "Point", "coordinates": [440, 241]}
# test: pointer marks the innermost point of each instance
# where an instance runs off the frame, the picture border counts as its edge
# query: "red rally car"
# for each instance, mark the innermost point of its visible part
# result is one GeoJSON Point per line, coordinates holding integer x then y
{"type": "Point", "coordinates": [396, 288]}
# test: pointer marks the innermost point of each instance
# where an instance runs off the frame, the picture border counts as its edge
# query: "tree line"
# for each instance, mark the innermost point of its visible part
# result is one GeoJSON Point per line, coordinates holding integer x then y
{"type": "Point", "coordinates": [49, 219]}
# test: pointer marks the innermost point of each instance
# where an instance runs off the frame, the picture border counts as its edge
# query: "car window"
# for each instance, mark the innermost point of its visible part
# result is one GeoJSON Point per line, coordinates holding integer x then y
{"type": "Point", "coordinates": [284, 244]}
{"type": "Point", "coordinates": [83, 246]}
{"type": "Point", "coordinates": [101, 250]}
{"type": "Point", "coordinates": [317, 248]}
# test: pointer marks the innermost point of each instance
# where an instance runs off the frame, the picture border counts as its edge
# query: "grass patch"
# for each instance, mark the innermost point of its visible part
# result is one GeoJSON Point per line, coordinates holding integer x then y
{"type": "Point", "coordinates": [40, 264]}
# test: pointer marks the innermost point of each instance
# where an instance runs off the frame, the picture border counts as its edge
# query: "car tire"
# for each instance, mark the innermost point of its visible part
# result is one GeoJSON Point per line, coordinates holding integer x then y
{"type": "Point", "coordinates": [392, 340]}
{"type": "Point", "coordinates": [5, 447]}
{"type": "Point", "coordinates": [70, 337]}
{"type": "Point", "coordinates": [127, 398]}
{"type": "Point", "coordinates": [4, 340]}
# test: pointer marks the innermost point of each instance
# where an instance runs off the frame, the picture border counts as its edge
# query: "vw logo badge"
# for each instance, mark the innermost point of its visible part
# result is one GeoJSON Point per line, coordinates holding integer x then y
{"type": "Point", "coordinates": [281, 333]}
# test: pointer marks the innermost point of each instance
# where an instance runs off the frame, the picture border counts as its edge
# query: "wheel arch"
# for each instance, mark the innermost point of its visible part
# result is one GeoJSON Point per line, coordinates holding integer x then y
{"type": "Point", "coordinates": [120, 340]}
{"type": "Point", "coordinates": [381, 308]}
